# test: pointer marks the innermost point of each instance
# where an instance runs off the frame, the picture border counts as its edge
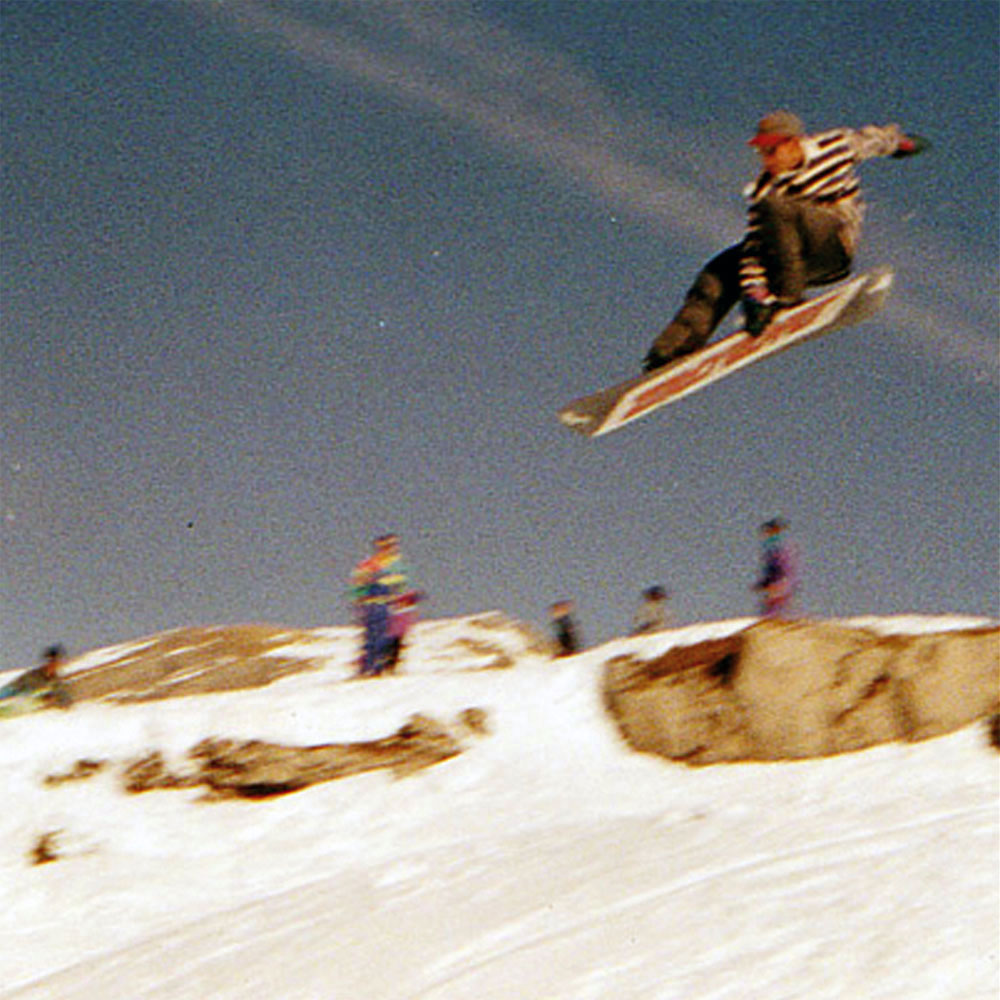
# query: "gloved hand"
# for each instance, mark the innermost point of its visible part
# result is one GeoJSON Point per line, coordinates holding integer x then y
{"type": "Point", "coordinates": [910, 145]}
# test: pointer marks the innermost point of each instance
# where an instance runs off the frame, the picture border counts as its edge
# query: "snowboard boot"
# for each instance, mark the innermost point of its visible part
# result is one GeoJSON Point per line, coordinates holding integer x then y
{"type": "Point", "coordinates": [757, 315]}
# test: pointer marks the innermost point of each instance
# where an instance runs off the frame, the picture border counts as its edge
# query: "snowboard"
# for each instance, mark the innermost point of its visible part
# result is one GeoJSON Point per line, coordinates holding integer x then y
{"type": "Point", "coordinates": [848, 303]}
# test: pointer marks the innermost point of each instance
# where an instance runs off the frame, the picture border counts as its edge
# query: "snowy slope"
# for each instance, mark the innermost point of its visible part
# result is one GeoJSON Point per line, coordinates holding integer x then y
{"type": "Point", "coordinates": [546, 861]}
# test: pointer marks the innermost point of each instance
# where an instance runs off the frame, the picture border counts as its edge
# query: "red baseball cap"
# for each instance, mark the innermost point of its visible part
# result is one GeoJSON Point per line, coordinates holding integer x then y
{"type": "Point", "coordinates": [775, 128]}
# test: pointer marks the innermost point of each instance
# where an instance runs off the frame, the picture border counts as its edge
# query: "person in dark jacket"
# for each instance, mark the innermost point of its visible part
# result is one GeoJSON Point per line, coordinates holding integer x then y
{"type": "Point", "coordinates": [564, 628]}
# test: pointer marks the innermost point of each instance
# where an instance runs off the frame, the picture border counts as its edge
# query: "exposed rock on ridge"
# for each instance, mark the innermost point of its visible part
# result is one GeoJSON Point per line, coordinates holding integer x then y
{"type": "Point", "coordinates": [786, 690]}
{"type": "Point", "coordinates": [255, 769]}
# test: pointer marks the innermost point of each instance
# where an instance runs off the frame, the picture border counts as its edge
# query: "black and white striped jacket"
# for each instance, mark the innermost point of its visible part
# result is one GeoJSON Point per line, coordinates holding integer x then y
{"type": "Point", "coordinates": [826, 177]}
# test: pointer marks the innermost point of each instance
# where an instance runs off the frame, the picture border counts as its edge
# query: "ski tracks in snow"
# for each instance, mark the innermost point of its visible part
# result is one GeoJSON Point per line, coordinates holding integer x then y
{"type": "Point", "coordinates": [641, 909]}
{"type": "Point", "coordinates": [792, 885]}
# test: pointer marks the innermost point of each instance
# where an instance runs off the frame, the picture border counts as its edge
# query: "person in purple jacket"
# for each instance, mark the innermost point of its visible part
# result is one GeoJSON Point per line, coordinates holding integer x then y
{"type": "Point", "coordinates": [779, 575]}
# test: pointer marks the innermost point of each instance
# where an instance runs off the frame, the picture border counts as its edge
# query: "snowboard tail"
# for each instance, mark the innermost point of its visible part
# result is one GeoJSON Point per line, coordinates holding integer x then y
{"type": "Point", "coordinates": [607, 410]}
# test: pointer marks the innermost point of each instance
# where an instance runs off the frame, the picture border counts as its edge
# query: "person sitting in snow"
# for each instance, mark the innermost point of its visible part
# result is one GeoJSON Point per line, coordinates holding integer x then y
{"type": "Point", "coordinates": [803, 226]}
{"type": "Point", "coordinates": [43, 681]}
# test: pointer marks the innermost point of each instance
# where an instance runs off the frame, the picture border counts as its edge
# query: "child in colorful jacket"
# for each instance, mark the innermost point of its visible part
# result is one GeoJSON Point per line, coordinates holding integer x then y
{"type": "Point", "coordinates": [403, 616]}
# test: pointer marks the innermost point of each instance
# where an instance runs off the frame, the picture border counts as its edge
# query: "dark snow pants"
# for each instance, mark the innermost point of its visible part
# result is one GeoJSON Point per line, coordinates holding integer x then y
{"type": "Point", "coordinates": [800, 245]}
{"type": "Point", "coordinates": [375, 621]}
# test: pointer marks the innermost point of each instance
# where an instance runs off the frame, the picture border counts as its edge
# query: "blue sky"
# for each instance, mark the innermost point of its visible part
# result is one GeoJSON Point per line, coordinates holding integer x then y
{"type": "Point", "coordinates": [279, 277]}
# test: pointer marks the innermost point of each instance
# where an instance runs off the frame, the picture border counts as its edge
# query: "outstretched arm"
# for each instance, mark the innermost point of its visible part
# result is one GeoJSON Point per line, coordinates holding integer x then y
{"type": "Point", "coordinates": [884, 140]}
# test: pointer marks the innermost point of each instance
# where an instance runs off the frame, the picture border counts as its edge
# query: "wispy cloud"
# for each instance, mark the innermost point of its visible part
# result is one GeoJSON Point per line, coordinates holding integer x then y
{"type": "Point", "coordinates": [447, 58]}
{"type": "Point", "coordinates": [928, 334]}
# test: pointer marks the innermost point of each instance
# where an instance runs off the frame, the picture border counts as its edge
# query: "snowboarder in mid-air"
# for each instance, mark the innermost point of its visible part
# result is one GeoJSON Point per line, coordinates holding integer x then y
{"type": "Point", "coordinates": [803, 225]}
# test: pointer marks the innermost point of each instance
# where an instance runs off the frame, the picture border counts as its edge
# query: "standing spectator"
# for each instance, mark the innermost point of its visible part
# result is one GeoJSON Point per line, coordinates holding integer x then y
{"type": "Point", "coordinates": [564, 628]}
{"type": "Point", "coordinates": [652, 615]}
{"type": "Point", "coordinates": [778, 579]}
{"type": "Point", "coordinates": [378, 584]}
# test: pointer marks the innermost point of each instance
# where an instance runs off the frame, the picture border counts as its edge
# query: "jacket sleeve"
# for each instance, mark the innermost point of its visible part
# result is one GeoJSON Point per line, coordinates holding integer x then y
{"type": "Point", "coordinates": [874, 140]}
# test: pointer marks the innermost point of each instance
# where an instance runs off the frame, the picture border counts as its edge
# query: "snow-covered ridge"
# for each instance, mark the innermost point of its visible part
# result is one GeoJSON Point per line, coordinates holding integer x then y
{"type": "Point", "coordinates": [190, 661]}
{"type": "Point", "coordinates": [485, 640]}
{"type": "Point", "coordinates": [546, 860]}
